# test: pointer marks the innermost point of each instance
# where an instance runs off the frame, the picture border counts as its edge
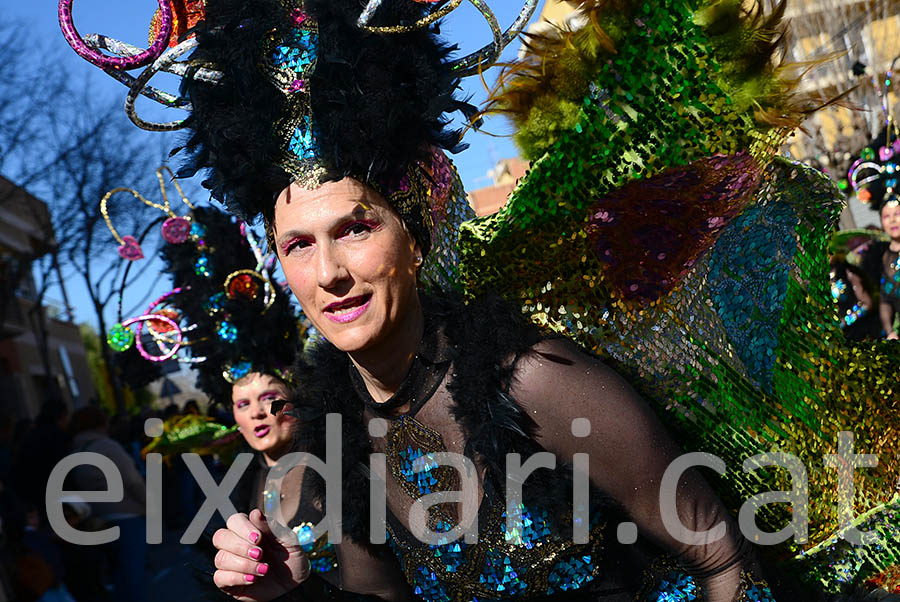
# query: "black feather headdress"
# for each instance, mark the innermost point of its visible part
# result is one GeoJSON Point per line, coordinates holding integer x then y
{"type": "Point", "coordinates": [303, 83]}
{"type": "Point", "coordinates": [240, 320]}
{"type": "Point", "coordinates": [312, 91]}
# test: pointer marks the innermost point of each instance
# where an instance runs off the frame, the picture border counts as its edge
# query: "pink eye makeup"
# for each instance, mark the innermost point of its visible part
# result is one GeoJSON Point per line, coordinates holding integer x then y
{"type": "Point", "coordinates": [356, 224]}
{"type": "Point", "coordinates": [359, 226]}
{"type": "Point", "coordinates": [298, 242]}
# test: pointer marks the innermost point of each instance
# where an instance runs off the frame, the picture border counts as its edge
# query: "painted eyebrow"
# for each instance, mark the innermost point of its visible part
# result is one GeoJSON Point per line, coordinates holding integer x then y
{"type": "Point", "coordinates": [360, 211]}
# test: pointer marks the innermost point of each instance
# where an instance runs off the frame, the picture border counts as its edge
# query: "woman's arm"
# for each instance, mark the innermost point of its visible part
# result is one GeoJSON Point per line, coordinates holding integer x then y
{"type": "Point", "coordinates": [366, 570]}
{"type": "Point", "coordinates": [859, 289]}
{"type": "Point", "coordinates": [629, 451]}
{"type": "Point", "coordinates": [887, 318]}
{"type": "Point", "coordinates": [378, 575]}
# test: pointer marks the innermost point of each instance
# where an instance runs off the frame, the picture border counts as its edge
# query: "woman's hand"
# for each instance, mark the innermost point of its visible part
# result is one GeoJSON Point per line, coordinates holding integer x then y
{"type": "Point", "coordinates": [251, 564]}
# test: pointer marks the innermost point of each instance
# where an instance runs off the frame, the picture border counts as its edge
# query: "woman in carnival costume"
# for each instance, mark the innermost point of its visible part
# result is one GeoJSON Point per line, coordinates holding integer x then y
{"type": "Point", "coordinates": [875, 177]}
{"type": "Point", "coordinates": [854, 284]}
{"type": "Point", "coordinates": [656, 228]}
{"type": "Point", "coordinates": [856, 299]}
{"type": "Point", "coordinates": [235, 326]}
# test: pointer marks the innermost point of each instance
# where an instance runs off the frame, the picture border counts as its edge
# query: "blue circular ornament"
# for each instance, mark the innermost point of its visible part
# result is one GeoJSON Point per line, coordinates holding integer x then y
{"type": "Point", "coordinates": [215, 303]}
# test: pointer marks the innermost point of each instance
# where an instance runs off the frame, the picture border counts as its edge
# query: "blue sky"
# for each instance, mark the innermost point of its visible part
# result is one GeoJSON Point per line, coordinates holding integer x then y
{"type": "Point", "coordinates": [128, 20]}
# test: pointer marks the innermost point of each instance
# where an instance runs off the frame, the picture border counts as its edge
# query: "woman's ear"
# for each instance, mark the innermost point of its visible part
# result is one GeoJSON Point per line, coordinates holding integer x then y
{"type": "Point", "coordinates": [418, 258]}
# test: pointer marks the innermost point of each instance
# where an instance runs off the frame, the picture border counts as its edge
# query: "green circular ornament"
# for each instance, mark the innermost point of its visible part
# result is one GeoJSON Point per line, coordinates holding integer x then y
{"type": "Point", "coordinates": [868, 154]}
{"type": "Point", "coordinates": [120, 338]}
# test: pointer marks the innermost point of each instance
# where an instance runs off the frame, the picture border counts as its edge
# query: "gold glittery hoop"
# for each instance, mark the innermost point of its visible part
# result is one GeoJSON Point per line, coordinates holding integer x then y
{"type": "Point", "coordinates": [165, 207]}
{"type": "Point", "coordinates": [268, 299]}
{"type": "Point", "coordinates": [423, 22]}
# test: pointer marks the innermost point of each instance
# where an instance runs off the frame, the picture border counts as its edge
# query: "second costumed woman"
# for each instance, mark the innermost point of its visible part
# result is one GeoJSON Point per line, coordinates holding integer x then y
{"type": "Point", "coordinates": [247, 334]}
{"type": "Point", "coordinates": [876, 178]}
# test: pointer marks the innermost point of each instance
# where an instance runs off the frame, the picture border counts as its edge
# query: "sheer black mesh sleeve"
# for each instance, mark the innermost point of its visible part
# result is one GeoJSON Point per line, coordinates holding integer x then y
{"type": "Point", "coordinates": [376, 574]}
{"type": "Point", "coordinates": [629, 451]}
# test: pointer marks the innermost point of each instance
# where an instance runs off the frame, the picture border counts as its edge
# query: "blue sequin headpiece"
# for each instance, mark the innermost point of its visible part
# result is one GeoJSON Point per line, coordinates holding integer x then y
{"type": "Point", "coordinates": [288, 61]}
{"type": "Point", "coordinates": [309, 91]}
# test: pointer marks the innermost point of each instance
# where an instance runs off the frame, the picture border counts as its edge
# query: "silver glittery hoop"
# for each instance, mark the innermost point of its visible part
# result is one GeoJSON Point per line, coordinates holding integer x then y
{"type": "Point", "coordinates": [488, 55]}
{"type": "Point", "coordinates": [166, 62]}
{"type": "Point", "coordinates": [368, 12]}
{"type": "Point", "coordinates": [868, 165]}
{"type": "Point", "coordinates": [97, 41]}
{"type": "Point", "coordinates": [475, 62]}
{"type": "Point", "coordinates": [491, 52]}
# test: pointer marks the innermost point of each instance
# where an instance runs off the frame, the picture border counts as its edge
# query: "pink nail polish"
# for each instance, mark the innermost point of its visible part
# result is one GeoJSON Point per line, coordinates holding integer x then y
{"type": "Point", "coordinates": [254, 537]}
{"type": "Point", "coordinates": [249, 578]}
{"type": "Point", "coordinates": [262, 569]}
{"type": "Point", "coordinates": [255, 553]}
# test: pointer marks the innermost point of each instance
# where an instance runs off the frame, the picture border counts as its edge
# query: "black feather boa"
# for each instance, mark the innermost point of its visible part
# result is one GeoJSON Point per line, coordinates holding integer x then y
{"type": "Point", "coordinates": [486, 338]}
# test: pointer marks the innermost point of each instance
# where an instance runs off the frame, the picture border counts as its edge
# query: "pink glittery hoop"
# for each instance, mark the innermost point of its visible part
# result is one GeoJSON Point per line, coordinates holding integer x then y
{"type": "Point", "coordinates": [140, 346]}
{"type": "Point", "coordinates": [162, 298]}
{"type": "Point", "coordinates": [117, 62]}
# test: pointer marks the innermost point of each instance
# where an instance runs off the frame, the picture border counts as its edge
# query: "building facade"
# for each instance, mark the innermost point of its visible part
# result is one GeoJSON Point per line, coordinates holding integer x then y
{"type": "Point", "coordinates": [851, 45]}
{"type": "Point", "coordinates": [505, 175]}
{"type": "Point", "coordinates": [41, 352]}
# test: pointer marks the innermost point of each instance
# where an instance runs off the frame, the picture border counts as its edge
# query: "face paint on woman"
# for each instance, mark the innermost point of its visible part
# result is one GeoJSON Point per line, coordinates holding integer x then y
{"type": "Point", "coordinates": [349, 260]}
{"type": "Point", "coordinates": [252, 398]}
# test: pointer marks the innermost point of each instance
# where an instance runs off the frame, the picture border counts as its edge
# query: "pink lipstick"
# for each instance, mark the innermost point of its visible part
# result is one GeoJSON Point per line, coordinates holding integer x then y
{"type": "Point", "coordinates": [349, 309]}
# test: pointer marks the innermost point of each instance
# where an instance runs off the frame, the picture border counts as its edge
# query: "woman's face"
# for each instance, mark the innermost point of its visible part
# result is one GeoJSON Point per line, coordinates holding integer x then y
{"type": "Point", "coordinates": [890, 220]}
{"type": "Point", "coordinates": [348, 259]}
{"type": "Point", "coordinates": [252, 398]}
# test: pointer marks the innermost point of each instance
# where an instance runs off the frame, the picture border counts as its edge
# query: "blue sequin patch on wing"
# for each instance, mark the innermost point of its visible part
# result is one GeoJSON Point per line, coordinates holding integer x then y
{"type": "Point", "coordinates": [748, 278]}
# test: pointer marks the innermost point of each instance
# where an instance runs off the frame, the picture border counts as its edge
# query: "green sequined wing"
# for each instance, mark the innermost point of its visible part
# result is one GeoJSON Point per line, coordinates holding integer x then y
{"type": "Point", "coordinates": [658, 229]}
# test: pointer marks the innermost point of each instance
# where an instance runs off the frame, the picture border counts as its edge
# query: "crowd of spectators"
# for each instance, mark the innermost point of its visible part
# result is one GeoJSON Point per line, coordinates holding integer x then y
{"type": "Point", "coordinates": [36, 564]}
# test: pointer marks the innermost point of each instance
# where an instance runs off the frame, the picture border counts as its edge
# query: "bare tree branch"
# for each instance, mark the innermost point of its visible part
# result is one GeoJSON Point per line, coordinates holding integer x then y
{"type": "Point", "coordinates": [69, 147]}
